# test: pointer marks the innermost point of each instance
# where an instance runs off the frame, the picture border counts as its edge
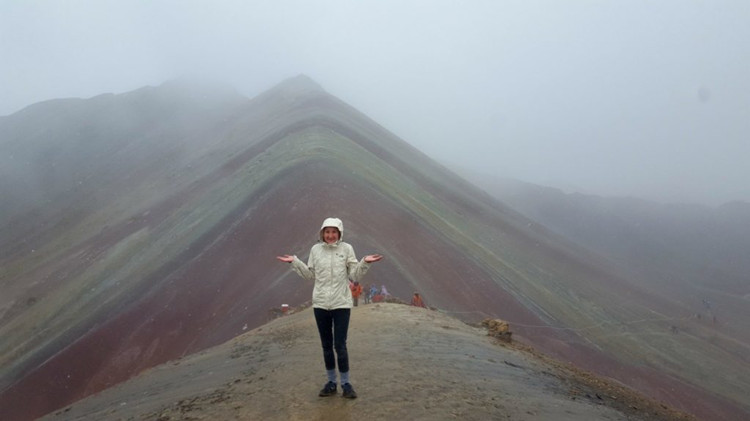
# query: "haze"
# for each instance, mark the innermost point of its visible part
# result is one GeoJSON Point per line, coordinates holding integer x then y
{"type": "Point", "coordinates": [636, 98]}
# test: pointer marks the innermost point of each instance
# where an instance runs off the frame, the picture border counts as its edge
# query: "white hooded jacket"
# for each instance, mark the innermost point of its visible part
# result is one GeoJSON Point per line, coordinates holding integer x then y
{"type": "Point", "coordinates": [331, 266]}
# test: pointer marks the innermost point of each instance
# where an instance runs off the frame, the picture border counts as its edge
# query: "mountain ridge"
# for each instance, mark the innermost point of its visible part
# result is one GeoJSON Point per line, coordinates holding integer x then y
{"type": "Point", "coordinates": [185, 252]}
{"type": "Point", "coordinates": [407, 363]}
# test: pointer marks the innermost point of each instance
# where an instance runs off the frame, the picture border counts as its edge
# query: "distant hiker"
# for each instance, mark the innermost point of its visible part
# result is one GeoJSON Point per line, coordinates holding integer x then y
{"type": "Point", "coordinates": [367, 295]}
{"type": "Point", "coordinates": [384, 292]}
{"type": "Point", "coordinates": [330, 265]}
{"type": "Point", "coordinates": [416, 300]}
{"type": "Point", "coordinates": [373, 292]}
{"type": "Point", "coordinates": [356, 292]}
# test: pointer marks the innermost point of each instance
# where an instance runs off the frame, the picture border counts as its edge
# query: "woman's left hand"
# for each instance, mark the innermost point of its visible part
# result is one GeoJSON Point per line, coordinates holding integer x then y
{"type": "Point", "coordinates": [372, 258]}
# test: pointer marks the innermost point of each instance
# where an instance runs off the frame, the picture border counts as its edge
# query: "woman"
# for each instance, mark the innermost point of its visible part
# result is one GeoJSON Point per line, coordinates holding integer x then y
{"type": "Point", "coordinates": [331, 264]}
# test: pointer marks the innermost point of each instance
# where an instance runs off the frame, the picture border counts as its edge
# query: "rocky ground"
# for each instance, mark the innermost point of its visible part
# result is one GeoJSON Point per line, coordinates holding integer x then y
{"type": "Point", "coordinates": [407, 363]}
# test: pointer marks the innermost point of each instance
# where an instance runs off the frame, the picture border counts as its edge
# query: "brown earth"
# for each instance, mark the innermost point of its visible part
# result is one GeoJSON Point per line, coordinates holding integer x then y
{"type": "Point", "coordinates": [407, 363]}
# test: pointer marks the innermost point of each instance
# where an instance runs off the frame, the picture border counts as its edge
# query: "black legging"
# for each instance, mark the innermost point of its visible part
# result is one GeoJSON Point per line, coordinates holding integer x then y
{"type": "Point", "coordinates": [333, 326]}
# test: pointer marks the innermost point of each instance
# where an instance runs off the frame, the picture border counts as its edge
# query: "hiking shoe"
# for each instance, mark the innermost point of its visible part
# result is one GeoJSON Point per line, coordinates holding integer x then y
{"type": "Point", "coordinates": [328, 390]}
{"type": "Point", "coordinates": [349, 391]}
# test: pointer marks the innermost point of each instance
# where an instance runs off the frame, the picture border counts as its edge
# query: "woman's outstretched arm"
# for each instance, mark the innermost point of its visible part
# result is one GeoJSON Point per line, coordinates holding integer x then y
{"type": "Point", "coordinates": [298, 266]}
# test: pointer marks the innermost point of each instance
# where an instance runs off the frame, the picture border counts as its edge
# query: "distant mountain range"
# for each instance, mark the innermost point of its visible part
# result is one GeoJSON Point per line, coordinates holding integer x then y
{"type": "Point", "coordinates": [677, 243]}
{"type": "Point", "coordinates": [142, 227]}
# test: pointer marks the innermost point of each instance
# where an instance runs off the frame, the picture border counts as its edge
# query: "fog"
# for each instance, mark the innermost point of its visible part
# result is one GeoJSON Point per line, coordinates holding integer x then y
{"type": "Point", "coordinates": [639, 98]}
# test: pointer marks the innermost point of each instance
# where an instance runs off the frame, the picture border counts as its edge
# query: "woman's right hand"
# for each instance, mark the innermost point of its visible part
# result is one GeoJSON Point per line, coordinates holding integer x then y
{"type": "Point", "coordinates": [372, 258]}
{"type": "Point", "coordinates": [286, 258]}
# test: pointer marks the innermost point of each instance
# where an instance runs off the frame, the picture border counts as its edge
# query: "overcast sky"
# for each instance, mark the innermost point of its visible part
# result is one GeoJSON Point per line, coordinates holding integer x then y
{"type": "Point", "coordinates": [642, 98]}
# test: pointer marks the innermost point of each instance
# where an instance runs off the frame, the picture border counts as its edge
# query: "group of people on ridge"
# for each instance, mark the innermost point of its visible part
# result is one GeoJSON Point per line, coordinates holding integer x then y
{"type": "Point", "coordinates": [369, 294]}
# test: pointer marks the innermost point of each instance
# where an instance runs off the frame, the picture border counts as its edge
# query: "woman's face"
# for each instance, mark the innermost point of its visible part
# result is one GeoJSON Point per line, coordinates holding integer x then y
{"type": "Point", "coordinates": [330, 235]}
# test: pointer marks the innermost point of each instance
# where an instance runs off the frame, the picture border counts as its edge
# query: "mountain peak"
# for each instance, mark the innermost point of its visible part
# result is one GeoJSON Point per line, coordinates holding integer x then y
{"type": "Point", "coordinates": [300, 83]}
{"type": "Point", "coordinates": [292, 88]}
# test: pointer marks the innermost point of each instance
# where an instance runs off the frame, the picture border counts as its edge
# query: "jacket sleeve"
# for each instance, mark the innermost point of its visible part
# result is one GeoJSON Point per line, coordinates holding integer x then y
{"type": "Point", "coordinates": [356, 269]}
{"type": "Point", "coordinates": [304, 270]}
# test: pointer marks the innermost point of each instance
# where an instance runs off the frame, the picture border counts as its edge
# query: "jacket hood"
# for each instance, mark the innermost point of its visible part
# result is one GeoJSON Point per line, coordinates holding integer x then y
{"type": "Point", "coordinates": [333, 222]}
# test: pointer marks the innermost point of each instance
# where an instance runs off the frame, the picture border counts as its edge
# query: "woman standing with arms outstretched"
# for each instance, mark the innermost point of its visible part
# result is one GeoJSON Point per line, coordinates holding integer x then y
{"type": "Point", "coordinates": [331, 264]}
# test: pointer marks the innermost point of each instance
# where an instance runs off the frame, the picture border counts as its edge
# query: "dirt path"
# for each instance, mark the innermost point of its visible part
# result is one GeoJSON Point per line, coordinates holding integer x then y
{"type": "Point", "coordinates": [406, 362]}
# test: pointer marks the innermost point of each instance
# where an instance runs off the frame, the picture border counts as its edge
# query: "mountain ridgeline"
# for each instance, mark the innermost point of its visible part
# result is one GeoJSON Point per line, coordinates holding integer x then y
{"type": "Point", "coordinates": [142, 227]}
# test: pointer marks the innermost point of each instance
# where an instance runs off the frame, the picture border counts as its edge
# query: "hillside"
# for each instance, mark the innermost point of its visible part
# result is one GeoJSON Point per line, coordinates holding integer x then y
{"type": "Point", "coordinates": [408, 363]}
{"type": "Point", "coordinates": [152, 232]}
{"type": "Point", "coordinates": [695, 254]}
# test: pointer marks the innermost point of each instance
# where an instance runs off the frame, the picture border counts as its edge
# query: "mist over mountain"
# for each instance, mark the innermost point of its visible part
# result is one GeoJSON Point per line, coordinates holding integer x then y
{"type": "Point", "coordinates": [142, 227]}
{"type": "Point", "coordinates": [694, 252]}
